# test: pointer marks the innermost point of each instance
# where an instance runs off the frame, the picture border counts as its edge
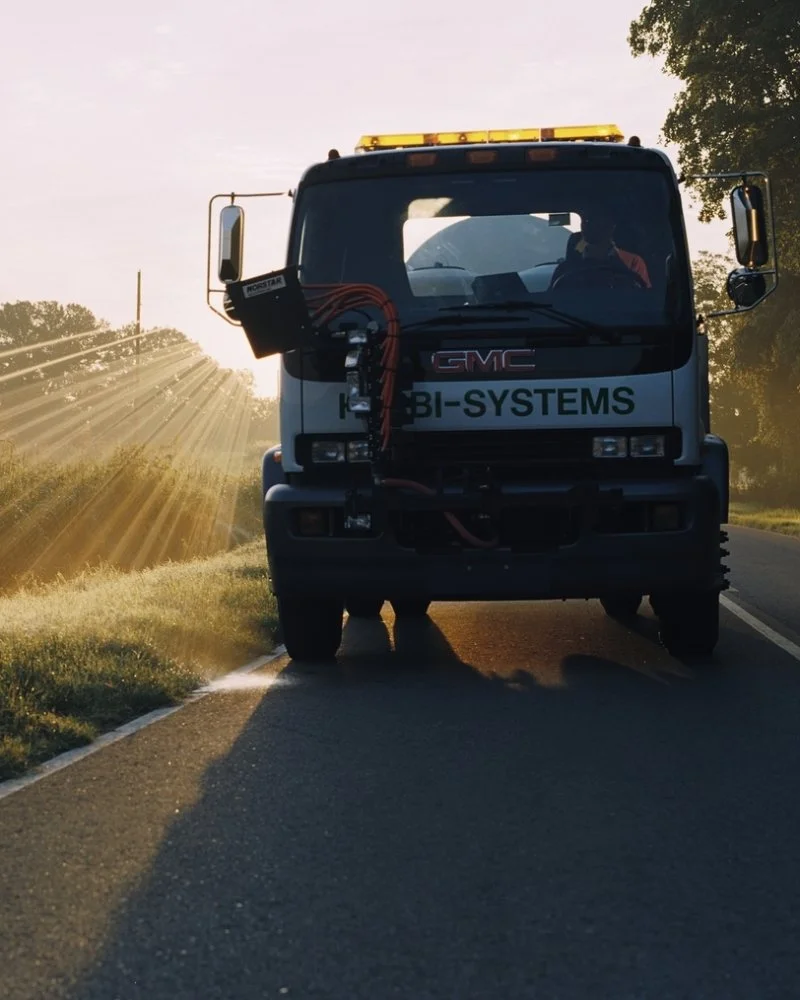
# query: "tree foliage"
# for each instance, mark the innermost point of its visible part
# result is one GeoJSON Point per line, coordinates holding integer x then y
{"type": "Point", "coordinates": [739, 63]}
{"type": "Point", "coordinates": [739, 108]}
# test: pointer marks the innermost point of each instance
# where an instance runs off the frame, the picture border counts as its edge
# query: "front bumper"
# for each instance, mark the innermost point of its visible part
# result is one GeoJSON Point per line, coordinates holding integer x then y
{"type": "Point", "coordinates": [590, 562]}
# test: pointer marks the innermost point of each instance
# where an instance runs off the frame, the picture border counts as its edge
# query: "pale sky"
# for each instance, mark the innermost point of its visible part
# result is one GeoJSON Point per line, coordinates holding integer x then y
{"type": "Point", "coordinates": [119, 123]}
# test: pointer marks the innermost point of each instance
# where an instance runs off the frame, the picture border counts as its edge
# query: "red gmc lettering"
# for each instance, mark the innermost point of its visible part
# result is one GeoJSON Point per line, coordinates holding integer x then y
{"type": "Point", "coordinates": [473, 360]}
{"type": "Point", "coordinates": [519, 360]}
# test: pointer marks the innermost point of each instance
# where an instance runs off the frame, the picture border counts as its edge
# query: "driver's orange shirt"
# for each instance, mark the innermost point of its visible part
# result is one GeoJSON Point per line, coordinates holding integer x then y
{"type": "Point", "coordinates": [636, 264]}
{"type": "Point", "coordinates": [631, 260]}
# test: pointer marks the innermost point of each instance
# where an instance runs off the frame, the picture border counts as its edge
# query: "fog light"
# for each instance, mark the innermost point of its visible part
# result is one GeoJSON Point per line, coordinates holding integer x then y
{"type": "Point", "coordinates": [311, 521]}
{"type": "Point", "coordinates": [665, 517]}
{"type": "Point", "coordinates": [358, 522]}
{"type": "Point", "coordinates": [648, 446]}
{"type": "Point", "coordinates": [327, 452]}
{"type": "Point", "coordinates": [609, 447]}
{"type": "Point", "coordinates": [358, 451]}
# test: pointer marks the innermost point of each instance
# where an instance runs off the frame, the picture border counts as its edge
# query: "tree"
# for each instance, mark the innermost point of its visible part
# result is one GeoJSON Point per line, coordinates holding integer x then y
{"type": "Point", "coordinates": [739, 63]}
{"type": "Point", "coordinates": [49, 344]}
{"type": "Point", "coordinates": [739, 107]}
{"type": "Point", "coordinates": [42, 333]}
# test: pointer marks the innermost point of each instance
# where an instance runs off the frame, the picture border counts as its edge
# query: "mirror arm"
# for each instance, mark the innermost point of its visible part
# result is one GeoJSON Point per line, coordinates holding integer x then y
{"type": "Point", "coordinates": [742, 309]}
{"type": "Point", "coordinates": [735, 175]}
{"type": "Point", "coordinates": [213, 308]}
{"type": "Point", "coordinates": [773, 233]}
{"type": "Point", "coordinates": [231, 196]}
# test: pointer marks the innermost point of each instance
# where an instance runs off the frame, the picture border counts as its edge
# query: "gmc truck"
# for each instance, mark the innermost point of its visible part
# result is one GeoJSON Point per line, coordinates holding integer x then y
{"type": "Point", "coordinates": [493, 382]}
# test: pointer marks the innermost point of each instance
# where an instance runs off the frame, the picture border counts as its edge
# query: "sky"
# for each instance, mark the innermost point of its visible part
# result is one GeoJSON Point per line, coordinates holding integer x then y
{"type": "Point", "coordinates": [119, 123]}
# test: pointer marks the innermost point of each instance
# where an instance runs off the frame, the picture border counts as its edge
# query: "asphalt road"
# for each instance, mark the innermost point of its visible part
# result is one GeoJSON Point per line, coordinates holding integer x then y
{"type": "Point", "coordinates": [516, 801]}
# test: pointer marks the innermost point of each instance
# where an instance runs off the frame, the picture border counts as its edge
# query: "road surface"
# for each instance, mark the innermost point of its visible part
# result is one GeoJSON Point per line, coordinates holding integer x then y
{"type": "Point", "coordinates": [514, 801]}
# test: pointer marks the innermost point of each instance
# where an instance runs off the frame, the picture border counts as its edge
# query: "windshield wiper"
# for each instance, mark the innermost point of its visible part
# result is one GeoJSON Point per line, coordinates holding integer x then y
{"type": "Point", "coordinates": [458, 319]}
{"type": "Point", "coordinates": [526, 305]}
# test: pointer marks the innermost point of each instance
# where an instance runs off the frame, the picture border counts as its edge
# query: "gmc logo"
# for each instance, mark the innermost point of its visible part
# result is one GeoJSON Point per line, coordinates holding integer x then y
{"type": "Point", "coordinates": [474, 360]}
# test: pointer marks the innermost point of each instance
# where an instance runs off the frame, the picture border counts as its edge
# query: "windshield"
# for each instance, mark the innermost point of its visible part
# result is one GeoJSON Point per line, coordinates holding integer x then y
{"type": "Point", "coordinates": [595, 245]}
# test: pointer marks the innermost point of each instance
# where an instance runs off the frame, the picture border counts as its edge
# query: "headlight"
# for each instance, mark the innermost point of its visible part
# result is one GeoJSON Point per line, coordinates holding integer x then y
{"type": "Point", "coordinates": [327, 452]}
{"type": "Point", "coordinates": [337, 452]}
{"type": "Point", "coordinates": [610, 447]}
{"type": "Point", "coordinates": [358, 451]}
{"type": "Point", "coordinates": [648, 446]}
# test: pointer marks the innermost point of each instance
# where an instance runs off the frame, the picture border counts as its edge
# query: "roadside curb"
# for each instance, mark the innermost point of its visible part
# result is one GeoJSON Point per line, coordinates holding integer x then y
{"type": "Point", "coordinates": [58, 763]}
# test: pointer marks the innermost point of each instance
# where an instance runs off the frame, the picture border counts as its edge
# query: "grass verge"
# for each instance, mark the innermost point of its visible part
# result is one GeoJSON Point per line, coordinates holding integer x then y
{"type": "Point", "coordinates": [784, 520]}
{"type": "Point", "coordinates": [134, 509]}
{"type": "Point", "coordinates": [79, 657]}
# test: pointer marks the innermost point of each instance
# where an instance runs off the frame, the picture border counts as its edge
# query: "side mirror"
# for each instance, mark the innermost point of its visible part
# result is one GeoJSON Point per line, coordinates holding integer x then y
{"type": "Point", "coordinates": [746, 288]}
{"type": "Point", "coordinates": [231, 243]}
{"type": "Point", "coordinates": [749, 225]}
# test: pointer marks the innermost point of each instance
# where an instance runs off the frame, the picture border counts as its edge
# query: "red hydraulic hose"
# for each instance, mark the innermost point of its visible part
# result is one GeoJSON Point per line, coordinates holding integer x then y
{"type": "Point", "coordinates": [459, 527]}
{"type": "Point", "coordinates": [333, 300]}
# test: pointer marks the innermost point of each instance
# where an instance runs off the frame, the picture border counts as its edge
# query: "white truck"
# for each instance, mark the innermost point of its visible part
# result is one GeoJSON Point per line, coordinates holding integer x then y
{"type": "Point", "coordinates": [493, 382]}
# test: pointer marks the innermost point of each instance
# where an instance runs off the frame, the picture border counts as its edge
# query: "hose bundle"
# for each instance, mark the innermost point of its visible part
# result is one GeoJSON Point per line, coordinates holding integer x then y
{"type": "Point", "coordinates": [329, 301]}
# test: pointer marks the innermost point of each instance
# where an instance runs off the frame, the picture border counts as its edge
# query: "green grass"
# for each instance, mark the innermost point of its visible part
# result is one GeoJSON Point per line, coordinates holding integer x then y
{"type": "Point", "coordinates": [134, 509]}
{"type": "Point", "coordinates": [79, 657]}
{"type": "Point", "coordinates": [784, 520]}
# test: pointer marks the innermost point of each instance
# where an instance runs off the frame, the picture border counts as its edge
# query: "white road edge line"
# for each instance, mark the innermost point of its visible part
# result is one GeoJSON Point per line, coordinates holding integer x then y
{"type": "Point", "coordinates": [135, 725]}
{"type": "Point", "coordinates": [63, 760]}
{"type": "Point", "coordinates": [755, 623]}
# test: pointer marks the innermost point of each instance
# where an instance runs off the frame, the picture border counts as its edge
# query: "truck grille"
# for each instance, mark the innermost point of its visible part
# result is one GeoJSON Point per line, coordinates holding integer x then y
{"type": "Point", "coordinates": [539, 529]}
{"type": "Point", "coordinates": [514, 453]}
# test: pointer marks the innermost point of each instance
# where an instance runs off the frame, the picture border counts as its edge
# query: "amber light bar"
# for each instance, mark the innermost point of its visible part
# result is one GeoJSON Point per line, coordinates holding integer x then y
{"type": "Point", "coordinates": [569, 133]}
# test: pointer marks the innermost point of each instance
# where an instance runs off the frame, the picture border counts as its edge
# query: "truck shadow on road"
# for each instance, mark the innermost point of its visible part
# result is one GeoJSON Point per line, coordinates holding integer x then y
{"type": "Point", "coordinates": [429, 831]}
{"type": "Point", "coordinates": [378, 649]}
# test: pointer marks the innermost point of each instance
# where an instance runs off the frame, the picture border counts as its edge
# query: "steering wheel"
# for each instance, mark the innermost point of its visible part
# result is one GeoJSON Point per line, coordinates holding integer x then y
{"type": "Point", "coordinates": [598, 274]}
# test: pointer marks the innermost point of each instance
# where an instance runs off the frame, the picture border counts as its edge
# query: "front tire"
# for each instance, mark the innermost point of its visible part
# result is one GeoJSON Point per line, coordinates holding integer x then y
{"type": "Point", "coordinates": [311, 629]}
{"type": "Point", "coordinates": [410, 607]}
{"type": "Point", "coordinates": [689, 623]}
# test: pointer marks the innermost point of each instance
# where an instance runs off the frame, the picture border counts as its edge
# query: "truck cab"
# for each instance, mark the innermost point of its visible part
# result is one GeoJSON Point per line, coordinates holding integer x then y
{"type": "Point", "coordinates": [493, 382]}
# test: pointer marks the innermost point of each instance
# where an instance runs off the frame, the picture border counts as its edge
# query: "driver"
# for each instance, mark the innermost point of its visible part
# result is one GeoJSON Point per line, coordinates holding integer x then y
{"type": "Point", "coordinates": [595, 242]}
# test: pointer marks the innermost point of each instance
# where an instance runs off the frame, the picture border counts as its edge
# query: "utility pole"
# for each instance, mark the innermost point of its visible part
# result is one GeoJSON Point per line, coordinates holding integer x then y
{"type": "Point", "coordinates": [138, 335]}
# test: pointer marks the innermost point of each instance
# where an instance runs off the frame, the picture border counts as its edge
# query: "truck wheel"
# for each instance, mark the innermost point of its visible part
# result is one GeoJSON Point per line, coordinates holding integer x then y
{"type": "Point", "coordinates": [689, 624]}
{"type": "Point", "coordinates": [311, 629]}
{"type": "Point", "coordinates": [364, 607]}
{"type": "Point", "coordinates": [411, 607]}
{"type": "Point", "coordinates": [621, 605]}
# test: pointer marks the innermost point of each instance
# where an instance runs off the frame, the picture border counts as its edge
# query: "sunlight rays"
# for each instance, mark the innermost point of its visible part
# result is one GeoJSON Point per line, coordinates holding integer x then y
{"type": "Point", "coordinates": [39, 345]}
{"type": "Point", "coordinates": [117, 459]}
{"type": "Point", "coordinates": [54, 429]}
{"type": "Point", "coordinates": [95, 349]}
{"type": "Point", "coordinates": [80, 532]}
